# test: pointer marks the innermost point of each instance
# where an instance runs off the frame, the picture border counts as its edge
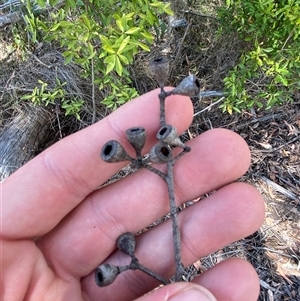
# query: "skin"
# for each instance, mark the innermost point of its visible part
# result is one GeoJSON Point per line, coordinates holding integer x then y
{"type": "Point", "coordinates": [58, 226]}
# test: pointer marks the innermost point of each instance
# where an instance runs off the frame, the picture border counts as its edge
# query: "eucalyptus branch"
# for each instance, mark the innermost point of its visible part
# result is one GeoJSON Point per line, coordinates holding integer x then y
{"type": "Point", "coordinates": [160, 153]}
{"type": "Point", "coordinates": [175, 225]}
{"type": "Point", "coordinates": [93, 91]}
{"type": "Point", "coordinates": [156, 171]}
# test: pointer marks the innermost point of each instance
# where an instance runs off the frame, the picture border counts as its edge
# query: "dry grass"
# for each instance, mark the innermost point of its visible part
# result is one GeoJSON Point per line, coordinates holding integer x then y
{"type": "Point", "coordinates": [274, 140]}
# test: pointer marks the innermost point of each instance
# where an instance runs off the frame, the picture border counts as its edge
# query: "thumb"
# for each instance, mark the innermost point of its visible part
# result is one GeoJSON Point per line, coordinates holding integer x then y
{"type": "Point", "coordinates": [180, 292]}
{"type": "Point", "coordinates": [194, 293]}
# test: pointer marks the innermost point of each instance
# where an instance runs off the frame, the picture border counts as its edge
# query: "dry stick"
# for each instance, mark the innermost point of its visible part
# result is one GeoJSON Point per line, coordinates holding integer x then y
{"type": "Point", "coordinates": [156, 171]}
{"type": "Point", "coordinates": [58, 121]}
{"type": "Point", "coordinates": [93, 92]}
{"type": "Point", "coordinates": [136, 265]}
{"type": "Point", "coordinates": [162, 97]}
{"type": "Point", "coordinates": [175, 226]}
{"type": "Point", "coordinates": [170, 184]}
{"type": "Point", "coordinates": [181, 43]}
{"type": "Point", "coordinates": [168, 178]}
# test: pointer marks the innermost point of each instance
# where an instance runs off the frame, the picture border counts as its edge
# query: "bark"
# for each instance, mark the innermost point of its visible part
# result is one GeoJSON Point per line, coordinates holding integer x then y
{"type": "Point", "coordinates": [24, 138]}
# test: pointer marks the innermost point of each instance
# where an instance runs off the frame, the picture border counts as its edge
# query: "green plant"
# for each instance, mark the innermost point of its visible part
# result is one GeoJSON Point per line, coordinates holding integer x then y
{"type": "Point", "coordinates": [269, 67]}
{"type": "Point", "coordinates": [100, 36]}
{"type": "Point", "coordinates": [118, 92]}
{"type": "Point", "coordinates": [42, 95]}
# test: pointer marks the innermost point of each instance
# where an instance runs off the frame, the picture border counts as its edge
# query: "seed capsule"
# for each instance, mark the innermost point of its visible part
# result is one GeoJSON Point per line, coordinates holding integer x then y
{"type": "Point", "coordinates": [189, 86]}
{"type": "Point", "coordinates": [112, 151]}
{"type": "Point", "coordinates": [106, 274]}
{"type": "Point", "coordinates": [137, 138]}
{"type": "Point", "coordinates": [168, 134]}
{"type": "Point", "coordinates": [160, 153]}
{"type": "Point", "coordinates": [126, 243]}
{"type": "Point", "coordinates": [159, 68]}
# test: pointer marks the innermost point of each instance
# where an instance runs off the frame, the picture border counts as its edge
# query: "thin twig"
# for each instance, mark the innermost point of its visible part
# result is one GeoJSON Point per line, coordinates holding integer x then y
{"type": "Point", "coordinates": [156, 171]}
{"type": "Point", "coordinates": [205, 94]}
{"type": "Point", "coordinates": [38, 60]}
{"type": "Point", "coordinates": [197, 14]}
{"type": "Point", "coordinates": [276, 148]}
{"type": "Point", "coordinates": [211, 105]}
{"type": "Point", "coordinates": [58, 121]}
{"type": "Point", "coordinates": [136, 265]}
{"type": "Point", "coordinates": [175, 226]}
{"type": "Point", "coordinates": [93, 91]}
{"type": "Point", "coordinates": [181, 43]}
{"type": "Point", "coordinates": [162, 98]}
{"type": "Point", "coordinates": [279, 188]}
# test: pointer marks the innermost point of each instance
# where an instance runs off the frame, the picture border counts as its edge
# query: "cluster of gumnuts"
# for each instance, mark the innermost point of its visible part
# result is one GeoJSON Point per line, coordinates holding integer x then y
{"type": "Point", "coordinates": [160, 153]}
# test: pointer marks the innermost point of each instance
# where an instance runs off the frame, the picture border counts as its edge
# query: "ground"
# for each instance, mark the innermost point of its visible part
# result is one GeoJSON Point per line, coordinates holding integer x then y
{"type": "Point", "coordinates": [274, 140]}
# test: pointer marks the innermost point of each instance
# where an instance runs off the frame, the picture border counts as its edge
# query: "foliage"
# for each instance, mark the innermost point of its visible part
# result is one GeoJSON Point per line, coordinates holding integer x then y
{"type": "Point", "coordinates": [42, 95]}
{"type": "Point", "coordinates": [100, 36]}
{"type": "Point", "coordinates": [268, 70]}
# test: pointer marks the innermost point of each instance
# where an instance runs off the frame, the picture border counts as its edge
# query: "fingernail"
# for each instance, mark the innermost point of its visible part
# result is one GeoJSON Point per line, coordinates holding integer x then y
{"type": "Point", "coordinates": [194, 294]}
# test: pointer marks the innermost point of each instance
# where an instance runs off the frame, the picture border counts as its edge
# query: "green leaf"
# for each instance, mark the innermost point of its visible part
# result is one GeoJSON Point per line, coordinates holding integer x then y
{"type": "Point", "coordinates": [132, 30]}
{"type": "Point", "coordinates": [157, 4]}
{"type": "Point", "coordinates": [66, 24]}
{"type": "Point", "coordinates": [41, 3]}
{"type": "Point", "coordinates": [280, 79]}
{"type": "Point", "coordinates": [229, 109]}
{"type": "Point", "coordinates": [102, 54]}
{"type": "Point", "coordinates": [86, 21]}
{"type": "Point", "coordinates": [109, 49]}
{"type": "Point", "coordinates": [167, 9]}
{"type": "Point", "coordinates": [68, 59]}
{"type": "Point", "coordinates": [111, 63]}
{"type": "Point", "coordinates": [268, 49]}
{"type": "Point", "coordinates": [123, 44]}
{"type": "Point", "coordinates": [119, 67]}
{"type": "Point", "coordinates": [105, 40]}
{"type": "Point", "coordinates": [53, 2]}
{"type": "Point", "coordinates": [120, 24]}
{"type": "Point", "coordinates": [110, 59]}
{"type": "Point", "coordinates": [123, 58]}
{"type": "Point", "coordinates": [71, 3]}
{"type": "Point", "coordinates": [25, 97]}
{"type": "Point", "coordinates": [147, 36]}
{"type": "Point", "coordinates": [140, 44]}
{"type": "Point", "coordinates": [91, 51]}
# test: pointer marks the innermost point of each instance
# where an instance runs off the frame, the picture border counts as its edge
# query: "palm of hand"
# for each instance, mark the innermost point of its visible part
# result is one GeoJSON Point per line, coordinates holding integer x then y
{"type": "Point", "coordinates": [57, 227]}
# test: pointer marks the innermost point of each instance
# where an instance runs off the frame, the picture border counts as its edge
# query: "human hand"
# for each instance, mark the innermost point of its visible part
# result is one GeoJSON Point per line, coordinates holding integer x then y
{"type": "Point", "coordinates": [58, 227]}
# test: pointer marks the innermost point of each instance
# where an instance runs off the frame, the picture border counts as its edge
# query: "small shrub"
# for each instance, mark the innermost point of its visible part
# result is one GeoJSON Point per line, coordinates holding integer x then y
{"type": "Point", "coordinates": [100, 36]}
{"type": "Point", "coordinates": [269, 67]}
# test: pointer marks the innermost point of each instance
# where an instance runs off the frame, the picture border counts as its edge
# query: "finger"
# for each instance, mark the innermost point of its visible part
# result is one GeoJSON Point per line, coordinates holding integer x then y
{"type": "Point", "coordinates": [231, 213]}
{"type": "Point", "coordinates": [179, 292]}
{"type": "Point", "coordinates": [231, 280]}
{"type": "Point", "coordinates": [43, 191]}
{"type": "Point", "coordinates": [218, 157]}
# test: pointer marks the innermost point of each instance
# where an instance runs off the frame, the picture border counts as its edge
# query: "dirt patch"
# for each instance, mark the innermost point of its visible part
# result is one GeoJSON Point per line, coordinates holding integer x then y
{"type": "Point", "coordinates": [273, 137]}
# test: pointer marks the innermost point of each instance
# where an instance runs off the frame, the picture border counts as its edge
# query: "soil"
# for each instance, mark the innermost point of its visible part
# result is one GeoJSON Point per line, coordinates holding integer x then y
{"type": "Point", "coordinates": [274, 140]}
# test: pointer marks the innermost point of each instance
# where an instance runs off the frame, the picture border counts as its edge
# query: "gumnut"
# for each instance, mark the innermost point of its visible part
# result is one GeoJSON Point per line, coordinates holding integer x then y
{"type": "Point", "coordinates": [168, 134]}
{"type": "Point", "coordinates": [160, 153]}
{"type": "Point", "coordinates": [159, 68]}
{"type": "Point", "coordinates": [106, 274]}
{"type": "Point", "coordinates": [189, 86]}
{"type": "Point", "coordinates": [112, 151]}
{"type": "Point", "coordinates": [126, 243]}
{"type": "Point", "coordinates": [136, 136]}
